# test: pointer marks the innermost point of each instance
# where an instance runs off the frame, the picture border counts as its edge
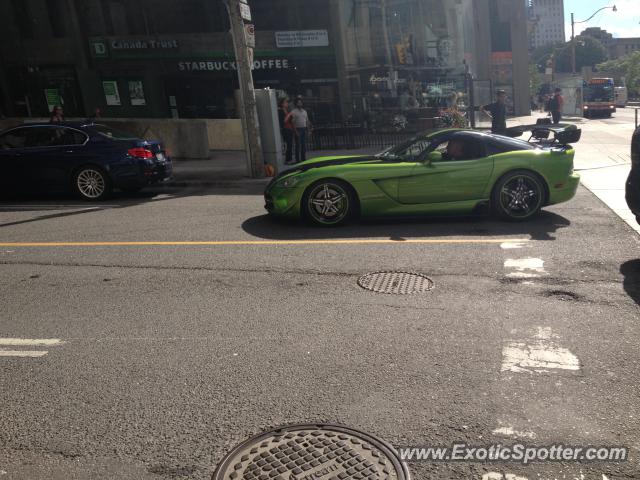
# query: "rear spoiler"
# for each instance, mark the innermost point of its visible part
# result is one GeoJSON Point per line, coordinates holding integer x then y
{"type": "Point", "coordinates": [563, 133]}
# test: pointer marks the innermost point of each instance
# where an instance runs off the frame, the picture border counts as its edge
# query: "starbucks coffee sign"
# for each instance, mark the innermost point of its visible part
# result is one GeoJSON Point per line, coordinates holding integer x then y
{"type": "Point", "coordinates": [227, 65]}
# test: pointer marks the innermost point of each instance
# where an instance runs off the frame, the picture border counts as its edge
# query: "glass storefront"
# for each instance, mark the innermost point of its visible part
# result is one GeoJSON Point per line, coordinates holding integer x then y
{"type": "Point", "coordinates": [406, 62]}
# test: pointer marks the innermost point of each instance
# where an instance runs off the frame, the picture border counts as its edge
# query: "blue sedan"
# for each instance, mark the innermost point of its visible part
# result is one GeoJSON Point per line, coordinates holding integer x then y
{"type": "Point", "coordinates": [86, 158]}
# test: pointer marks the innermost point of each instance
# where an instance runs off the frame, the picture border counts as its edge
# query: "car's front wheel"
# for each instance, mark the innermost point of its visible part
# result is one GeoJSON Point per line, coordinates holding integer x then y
{"type": "Point", "coordinates": [92, 183]}
{"type": "Point", "coordinates": [329, 203]}
{"type": "Point", "coordinates": [518, 196]}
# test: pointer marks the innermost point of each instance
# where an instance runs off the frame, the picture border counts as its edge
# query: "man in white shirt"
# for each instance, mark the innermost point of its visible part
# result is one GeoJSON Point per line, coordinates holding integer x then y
{"type": "Point", "coordinates": [300, 119]}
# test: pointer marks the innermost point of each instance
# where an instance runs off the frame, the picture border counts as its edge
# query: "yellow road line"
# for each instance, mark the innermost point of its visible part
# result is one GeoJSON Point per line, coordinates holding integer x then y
{"type": "Point", "coordinates": [264, 242]}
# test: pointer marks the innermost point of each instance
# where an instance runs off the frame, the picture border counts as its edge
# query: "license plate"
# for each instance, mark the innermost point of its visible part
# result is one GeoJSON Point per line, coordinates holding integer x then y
{"type": "Point", "coordinates": [160, 157]}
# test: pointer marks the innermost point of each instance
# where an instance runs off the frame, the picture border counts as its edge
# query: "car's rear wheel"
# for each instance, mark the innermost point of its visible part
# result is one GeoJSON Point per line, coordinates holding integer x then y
{"type": "Point", "coordinates": [518, 196]}
{"type": "Point", "coordinates": [92, 183]}
{"type": "Point", "coordinates": [329, 203]}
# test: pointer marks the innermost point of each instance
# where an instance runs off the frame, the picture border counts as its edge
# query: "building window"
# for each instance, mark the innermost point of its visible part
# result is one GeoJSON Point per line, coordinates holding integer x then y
{"type": "Point", "coordinates": [178, 16]}
{"type": "Point", "coordinates": [23, 18]}
{"type": "Point", "coordinates": [55, 8]}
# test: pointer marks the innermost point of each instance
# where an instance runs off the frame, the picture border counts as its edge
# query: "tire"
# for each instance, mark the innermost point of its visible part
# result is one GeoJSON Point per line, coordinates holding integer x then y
{"type": "Point", "coordinates": [518, 196]}
{"type": "Point", "coordinates": [329, 203]}
{"type": "Point", "coordinates": [92, 183]}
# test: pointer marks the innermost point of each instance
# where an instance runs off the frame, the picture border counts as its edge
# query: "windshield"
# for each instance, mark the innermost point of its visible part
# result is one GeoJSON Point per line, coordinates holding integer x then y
{"type": "Point", "coordinates": [112, 133]}
{"type": "Point", "coordinates": [598, 93]}
{"type": "Point", "coordinates": [407, 151]}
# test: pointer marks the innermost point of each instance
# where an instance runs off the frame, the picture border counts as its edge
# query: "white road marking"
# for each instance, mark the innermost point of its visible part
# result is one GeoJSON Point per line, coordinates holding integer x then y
{"type": "Point", "coordinates": [545, 333]}
{"type": "Point", "coordinates": [27, 342]}
{"type": "Point", "coordinates": [541, 356]}
{"type": "Point", "coordinates": [512, 245]}
{"type": "Point", "coordinates": [23, 353]}
{"type": "Point", "coordinates": [510, 432]}
{"type": "Point", "coordinates": [30, 342]}
{"type": "Point", "coordinates": [500, 476]}
{"type": "Point", "coordinates": [525, 267]}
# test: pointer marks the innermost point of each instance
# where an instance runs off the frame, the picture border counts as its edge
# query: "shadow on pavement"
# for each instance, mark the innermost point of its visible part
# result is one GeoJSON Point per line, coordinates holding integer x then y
{"type": "Point", "coordinates": [541, 228]}
{"type": "Point", "coordinates": [67, 205]}
{"type": "Point", "coordinates": [631, 272]}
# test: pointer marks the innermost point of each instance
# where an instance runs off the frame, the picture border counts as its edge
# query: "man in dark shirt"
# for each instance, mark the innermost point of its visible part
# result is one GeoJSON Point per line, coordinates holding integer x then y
{"type": "Point", "coordinates": [555, 106]}
{"type": "Point", "coordinates": [498, 113]}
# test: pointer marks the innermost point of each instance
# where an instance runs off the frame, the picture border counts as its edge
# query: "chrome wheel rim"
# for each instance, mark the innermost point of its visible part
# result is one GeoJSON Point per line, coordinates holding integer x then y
{"type": "Point", "coordinates": [91, 183]}
{"type": "Point", "coordinates": [328, 203]}
{"type": "Point", "coordinates": [521, 196]}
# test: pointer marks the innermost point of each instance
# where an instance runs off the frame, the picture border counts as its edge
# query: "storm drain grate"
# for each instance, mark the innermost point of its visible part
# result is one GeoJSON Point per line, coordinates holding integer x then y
{"type": "Point", "coordinates": [310, 452]}
{"type": "Point", "coordinates": [396, 283]}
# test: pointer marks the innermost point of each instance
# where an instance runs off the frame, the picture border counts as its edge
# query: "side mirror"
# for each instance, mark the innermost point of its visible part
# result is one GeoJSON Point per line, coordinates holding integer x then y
{"type": "Point", "coordinates": [433, 157]}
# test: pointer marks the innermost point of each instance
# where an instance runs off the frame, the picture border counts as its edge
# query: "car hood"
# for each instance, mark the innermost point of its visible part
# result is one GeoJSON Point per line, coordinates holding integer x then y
{"type": "Point", "coordinates": [330, 162]}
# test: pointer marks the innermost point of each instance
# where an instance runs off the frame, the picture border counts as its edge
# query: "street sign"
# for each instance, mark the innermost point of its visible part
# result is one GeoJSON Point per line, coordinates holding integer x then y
{"type": "Point", "coordinates": [245, 11]}
{"type": "Point", "coordinates": [250, 35]}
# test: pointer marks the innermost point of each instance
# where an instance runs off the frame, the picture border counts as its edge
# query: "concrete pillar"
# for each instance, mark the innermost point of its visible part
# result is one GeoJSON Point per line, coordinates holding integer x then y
{"type": "Point", "coordinates": [520, 48]}
{"type": "Point", "coordinates": [40, 15]}
{"type": "Point", "coordinates": [482, 23]}
{"type": "Point", "coordinates": [339, 40]}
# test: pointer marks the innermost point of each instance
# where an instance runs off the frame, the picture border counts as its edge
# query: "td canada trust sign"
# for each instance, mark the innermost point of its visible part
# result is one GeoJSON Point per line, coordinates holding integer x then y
{"type": "Point", "coordinates": [228, 65]}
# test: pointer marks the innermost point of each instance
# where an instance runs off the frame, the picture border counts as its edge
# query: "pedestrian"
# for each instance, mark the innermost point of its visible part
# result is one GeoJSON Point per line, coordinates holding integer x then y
{"type": "Point", "coordinates": [287, 129]}
{"type": "Point", "coordinates": [555, 106]}
{"type": "Point", "coordinates": [303, 127]}
{"type": "Point", "coordinates": [497, 111]}
{"type": "Point", "coordinates": [57, 114]}
{"type": "Point", "coordinates": [97, 115]}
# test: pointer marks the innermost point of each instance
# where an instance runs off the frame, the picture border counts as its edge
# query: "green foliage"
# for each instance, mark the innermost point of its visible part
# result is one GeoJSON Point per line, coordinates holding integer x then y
{"type": "Point", "coordinates": [589, 53]}
{"type": "Point", "coordinates": [628, 67]}
{"type": "Point", "coordinates": [541, 55]}
{"type": "Point", "coordinates": [535, 79]}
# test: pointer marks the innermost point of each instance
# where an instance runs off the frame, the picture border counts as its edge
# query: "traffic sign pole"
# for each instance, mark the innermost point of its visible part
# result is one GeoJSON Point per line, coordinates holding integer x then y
{"type": "Point", "coordinates": [239, 11]}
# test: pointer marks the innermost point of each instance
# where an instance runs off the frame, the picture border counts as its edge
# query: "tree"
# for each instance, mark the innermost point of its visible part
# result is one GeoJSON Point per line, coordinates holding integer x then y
{"type": "Point", "coordinates": [589, 53]}
{"type": "Point", "coordinates": [541, 55]}
{"type": "Point", "coordinates": [627, 67]}
{"type": "Point", "coordinates": [535, 79]}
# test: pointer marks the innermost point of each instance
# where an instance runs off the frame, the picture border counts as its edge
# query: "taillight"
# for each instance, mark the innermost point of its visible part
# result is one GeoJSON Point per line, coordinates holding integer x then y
{"type": "Point", "coordinates": [140, 153]}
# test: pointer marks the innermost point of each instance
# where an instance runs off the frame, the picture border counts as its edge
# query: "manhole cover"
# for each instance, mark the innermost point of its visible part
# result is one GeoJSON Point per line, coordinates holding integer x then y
{"type": "Point", "coordinates": [312, 452]}
{"type": "Point", "coordinates": [397, 283]}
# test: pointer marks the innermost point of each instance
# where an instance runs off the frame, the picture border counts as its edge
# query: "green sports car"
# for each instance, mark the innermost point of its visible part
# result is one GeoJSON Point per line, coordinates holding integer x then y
{"type": "Point", "coordinates": [448, 171]}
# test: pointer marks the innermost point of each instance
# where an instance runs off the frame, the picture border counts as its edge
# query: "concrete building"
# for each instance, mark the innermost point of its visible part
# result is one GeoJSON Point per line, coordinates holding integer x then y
{"type": "Point", "coordinates": [546, 18]}
{"type": "Point", "coordinates": [616, 46]}
{"type": "Point", "coordinates": [621, 47]}
{"type": "Point", "coordinates": [174, 58]}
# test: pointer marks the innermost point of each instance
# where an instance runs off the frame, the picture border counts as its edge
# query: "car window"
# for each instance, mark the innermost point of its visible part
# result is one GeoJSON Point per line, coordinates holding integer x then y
{"type": "Point", "coordinates": [41, 137]}
{"type": "Point", "coordinates": [112, 133]}
{"type": "Point", "coordinates": [469, 147]}
{"type": "Point", "coordinates": [69, 136]}
{"type": "Point", "coordinates": [14, 139]}
{"type": "Point", "coordinates": [497, 144]}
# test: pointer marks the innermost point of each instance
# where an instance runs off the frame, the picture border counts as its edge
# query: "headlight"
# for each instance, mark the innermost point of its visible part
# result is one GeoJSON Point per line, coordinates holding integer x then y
{"type": "Point", "coordinates": [289, 182]}
{"type": "Point", "coordinates": [586, 107]}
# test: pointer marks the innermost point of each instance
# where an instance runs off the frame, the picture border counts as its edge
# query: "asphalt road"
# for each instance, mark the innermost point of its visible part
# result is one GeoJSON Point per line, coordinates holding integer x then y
{"type": "Point", "coordinates": [161, 358]}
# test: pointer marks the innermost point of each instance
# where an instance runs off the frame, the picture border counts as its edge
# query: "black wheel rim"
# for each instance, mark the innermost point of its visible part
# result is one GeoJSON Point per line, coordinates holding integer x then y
{"type": "Point", "coordinates": [328, 203]}
{"type": "Point", "coordinates": [521, 196]}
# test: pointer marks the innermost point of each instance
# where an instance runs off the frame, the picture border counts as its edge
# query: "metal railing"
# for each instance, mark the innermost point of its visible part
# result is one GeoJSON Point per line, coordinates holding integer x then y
{"type": "Point", "coordinates": [354, 136]}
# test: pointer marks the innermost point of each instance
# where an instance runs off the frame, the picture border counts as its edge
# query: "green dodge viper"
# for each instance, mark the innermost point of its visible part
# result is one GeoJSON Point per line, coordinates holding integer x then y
{"type": "Point", "coordinates": [448, 171]}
